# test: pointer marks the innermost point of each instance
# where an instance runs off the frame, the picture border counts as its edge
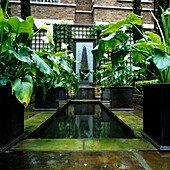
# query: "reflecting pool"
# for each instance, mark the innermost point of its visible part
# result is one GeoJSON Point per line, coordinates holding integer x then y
{"type": "Point", "coordinates": [84, 120]}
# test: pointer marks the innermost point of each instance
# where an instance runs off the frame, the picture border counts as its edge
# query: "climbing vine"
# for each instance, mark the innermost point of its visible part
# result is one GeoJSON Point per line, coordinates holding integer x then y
{"type": "Point", "coordinates": [62, 33]}
{"type": "Point", "coordinates": [98, 29]}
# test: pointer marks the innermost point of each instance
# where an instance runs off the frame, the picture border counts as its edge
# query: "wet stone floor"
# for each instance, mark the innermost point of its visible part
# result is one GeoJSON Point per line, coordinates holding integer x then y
{"type": "Point", "coordinates": [72, 160]}
{"type": "Point", "coordinates": [133, 154]}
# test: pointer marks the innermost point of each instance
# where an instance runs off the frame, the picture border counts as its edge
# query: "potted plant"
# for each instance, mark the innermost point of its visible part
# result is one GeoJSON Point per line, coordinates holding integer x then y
{"type": "Point", "coordinates": [153, 50]}
{"type": "Point", "coordinates": [118, 83]}
{"type": "Point", "coordinates": [116, 74]}
{"type": "Point", "coordinates": [47, 89]}
{"type": "Point", "coordinates": [21, 69]}
{"type": "Point", "coordinates": [18, 64]}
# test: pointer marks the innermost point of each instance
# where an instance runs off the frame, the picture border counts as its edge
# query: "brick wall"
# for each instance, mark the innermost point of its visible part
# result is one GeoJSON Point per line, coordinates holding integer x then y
{"type": "Point", "coordinates": [99, 14]}
{"type": "Point", "coordinates": [120, 3]}
{"type": "Point", "coordinates": [113, 15]}
{"type": "Point", "coordinates": [15, 10]}
{"type": "Point", "coordinates": [46, 11]}
{"type": "Point", "coordinates": [84, 18]}
{"type": "Point", "coordinates": [83, 5]}
{"type": "Point", "coordinates": [53, 12]}
{"type": "Point", "coordinates": [110, 15]}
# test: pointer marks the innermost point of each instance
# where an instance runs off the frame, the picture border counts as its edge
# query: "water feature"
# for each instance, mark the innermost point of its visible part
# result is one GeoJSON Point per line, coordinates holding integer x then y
{"type": "Point", "coordinates": [84, 120]}
{"type": "Point", "coordinates": [85, 90]}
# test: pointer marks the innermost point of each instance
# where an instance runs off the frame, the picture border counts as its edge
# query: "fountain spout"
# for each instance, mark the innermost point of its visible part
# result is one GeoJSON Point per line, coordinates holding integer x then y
{"type": "Point", "coordinates": [84, 69]}
{"type": "Point", "coordinates": [84, 59]}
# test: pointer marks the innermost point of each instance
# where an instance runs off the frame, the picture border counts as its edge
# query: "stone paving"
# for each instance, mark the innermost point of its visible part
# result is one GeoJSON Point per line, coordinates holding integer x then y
{"type": "Point", "coordinates": [135, 153]}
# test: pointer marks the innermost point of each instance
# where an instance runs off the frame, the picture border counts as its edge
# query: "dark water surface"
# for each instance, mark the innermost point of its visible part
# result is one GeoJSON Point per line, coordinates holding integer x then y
{"type": "Point", "coordinates": [84, 120]}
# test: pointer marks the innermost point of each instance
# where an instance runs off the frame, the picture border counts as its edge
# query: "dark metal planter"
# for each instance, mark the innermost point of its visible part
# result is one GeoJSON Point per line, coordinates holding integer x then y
{"type": "Point", "coordinates": [11, 118]}
{"type": "Point", "coordinates": [121, 98]}
{"type": "Point", "coordinates": [85, 92]}
{"type": "Point", "coordinates": [62, 93]}
{"type": "Point", "coordinates": [105, 96]}
{"type": "Point", "coordinates": [156, 115]}
{"type": "Point", "coordinates": [51, 102]}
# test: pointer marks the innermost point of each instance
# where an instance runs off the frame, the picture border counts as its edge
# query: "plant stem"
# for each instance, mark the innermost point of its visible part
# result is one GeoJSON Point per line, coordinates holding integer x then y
{"type": "Point", "coordinates": [139, 32]}
{"type": "Point", "coordinates": [163, 38]}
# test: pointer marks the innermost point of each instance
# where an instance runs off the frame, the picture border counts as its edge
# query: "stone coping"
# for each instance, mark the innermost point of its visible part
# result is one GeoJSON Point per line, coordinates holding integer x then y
{"type": "Point", "coordinates": [120, 8]}
{"type": "Point", "coordinates": [108, 144]}
{"type": "Point", "coordinates": [46, 3]}
{"type": "Point", "coordinates": [143, 1]}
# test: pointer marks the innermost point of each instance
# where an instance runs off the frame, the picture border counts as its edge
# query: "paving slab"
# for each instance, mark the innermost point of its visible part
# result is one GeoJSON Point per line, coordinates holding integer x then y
{"type": "Point", "coordinates": [83, 144]}
{"type": "Point", "coordinates": [133, 122]}
{"type": "Point", "coordinates": [157, 160]}
{"type": "Point", "coordinates": [118, 144]}
{"type": "Point", "coordinates": [49, 144]}
{"type": "Point", "coordinates": [72, 160]}
{"type": "Point", "coordinates": [34, 122]}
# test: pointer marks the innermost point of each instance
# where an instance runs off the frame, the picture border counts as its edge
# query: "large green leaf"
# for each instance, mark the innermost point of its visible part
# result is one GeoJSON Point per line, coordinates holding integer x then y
{"type": "Point", "coordinates": [118, 56]}
{"type": "Point", "coordinates": [98, 52]}
{"type": "Point", "coordinates": [114, 39]}
{"type": "Point", "coordinates": [60, 53]}
{"type": "Point", "coordinates": [26, 27]}
{"type": "Point", "coordinates": [20, 26]}
{"type": "Point", "coordinates": [109, 43]}
{"type": "Point", "coordinates": [65, 65]}
{"type": "Point", "coordinates": [41, 65]}
{"type": "Point", "coordinates": [23, 89]}
{"type": "Point", "coordinates": [41, 25]}
{"type": "Point", "coordinates": [15, 23]}
{"type": "Point", "coordinates": [22, 54]}
{"type": "Point", "coordinates": [161, 59]}
{"type": "Point", "coordinates": [131, 19]}
{"type": "Point", "coordinates": [142, 49]}
{"type": "Point", "coordinates": [134, 19]}
{"type": "Point", "coordinates": [155, 38]}
{"type": "Point", "coordinates": [4, 79]}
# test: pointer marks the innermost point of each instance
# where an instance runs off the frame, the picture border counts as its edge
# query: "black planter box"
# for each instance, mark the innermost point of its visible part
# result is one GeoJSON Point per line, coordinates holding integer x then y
{"type": "Point", "coordinates": [51, 101]}
{"type": "Point", "coordinates": [62, 93]}
{"type": "Point", "coordinates": [121, 98]}
{"type": "Point", "coordinates": [11, 118]}
{"type": "Point", "coordinates": [105, 96]}
{"type": "Point", "coordinates": [85, 92]}
{"type": "Point", "coordinates": [156, 115]}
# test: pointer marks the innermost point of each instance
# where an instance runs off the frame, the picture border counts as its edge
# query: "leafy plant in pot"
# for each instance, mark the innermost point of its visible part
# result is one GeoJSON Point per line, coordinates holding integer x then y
{"type": "Point", "coordinates": [116, 74]}
{"type": "Point", "coordinates": [152, 50]}
{"type": "Point", "coordinates": [20, 69]}
{"type": "Point", "coordinates": [119, 83]}
{"type": "Point", "coordinates": [63, 76]}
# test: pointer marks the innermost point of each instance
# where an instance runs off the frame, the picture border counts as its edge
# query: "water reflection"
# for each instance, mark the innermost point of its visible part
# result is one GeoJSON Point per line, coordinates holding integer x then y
{"type": "Point", "coordinates": [83, 121]}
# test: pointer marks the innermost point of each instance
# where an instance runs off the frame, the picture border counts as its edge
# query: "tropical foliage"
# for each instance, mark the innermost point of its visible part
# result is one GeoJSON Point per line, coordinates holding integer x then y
{"type": "Point", "coordinates": [121, 76]}
{"type": "Point", "coordinates": [23, 67]}
{"type": "Point", "coordinates": [151, 49]}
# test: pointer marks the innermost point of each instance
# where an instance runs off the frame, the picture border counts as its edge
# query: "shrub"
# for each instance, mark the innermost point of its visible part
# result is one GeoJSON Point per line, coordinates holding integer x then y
{"type": "Point", "coordinates": [138, 85]}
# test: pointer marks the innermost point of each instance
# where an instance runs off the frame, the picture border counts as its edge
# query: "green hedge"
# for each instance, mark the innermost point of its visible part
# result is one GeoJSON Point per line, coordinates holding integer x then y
{"type": "Point", "coordinates": [138, 85]}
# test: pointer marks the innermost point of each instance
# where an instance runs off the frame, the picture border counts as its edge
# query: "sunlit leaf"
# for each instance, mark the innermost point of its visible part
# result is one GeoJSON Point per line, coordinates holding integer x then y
{"type": "Point", "coordinates": [43, 67]}
{"type": "Point", "coordinates": [161, 59]}
{"type": "Point", "coordinates": [155, 38]}
{"type": "Point", "coordinates": [23, 89]}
